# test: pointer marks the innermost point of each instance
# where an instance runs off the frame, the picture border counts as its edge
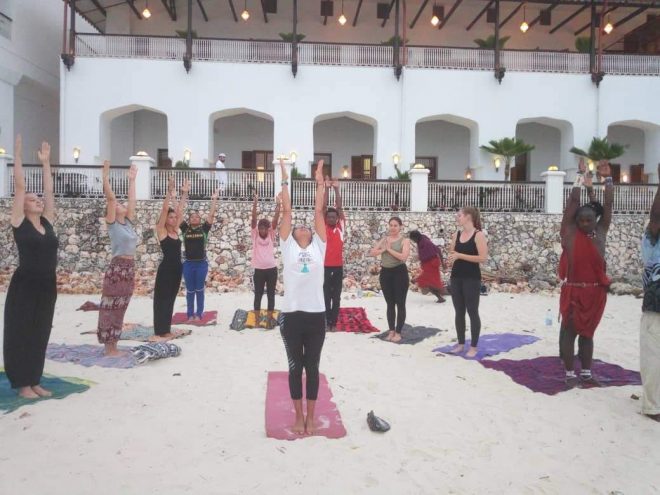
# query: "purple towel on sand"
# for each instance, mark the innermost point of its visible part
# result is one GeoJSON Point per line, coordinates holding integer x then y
{"type": "Point", "coordinates": [546, 374]}
{"type": "Point", "coordinates": [89, 355]}
{"type": "Point", "coordinates": [492, 344]}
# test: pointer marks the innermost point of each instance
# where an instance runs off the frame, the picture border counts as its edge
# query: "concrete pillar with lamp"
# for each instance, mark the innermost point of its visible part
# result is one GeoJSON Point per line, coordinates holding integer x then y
{"type": "Point", "coordinates": [144, 164]}
{"type": "Point", "coordinates": [419, 188]}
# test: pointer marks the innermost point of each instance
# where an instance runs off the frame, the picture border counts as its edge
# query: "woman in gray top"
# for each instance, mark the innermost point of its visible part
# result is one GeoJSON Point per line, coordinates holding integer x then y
{"type": "Point", "coordinates": [119, 280]}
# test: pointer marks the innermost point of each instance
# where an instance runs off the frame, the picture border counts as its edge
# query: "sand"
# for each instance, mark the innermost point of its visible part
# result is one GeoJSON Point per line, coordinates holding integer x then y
{"type": "Point", "coordinates": [195, 424]}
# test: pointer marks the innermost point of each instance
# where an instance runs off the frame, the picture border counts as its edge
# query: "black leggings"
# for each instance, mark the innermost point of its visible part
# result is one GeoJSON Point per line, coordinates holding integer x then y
{"type": "Point", "coordinates": [332, 283]}
{"type": "Point", "coordinates": [303, 335]}
{"type": "Point", "coordinates": [168, 282]}
{"type": "Point", "coordinates": [394, 284]}
{"type": "Point", "coordinates": [267, 277]}
{"type": "Point", "coordinates": [465, 293]}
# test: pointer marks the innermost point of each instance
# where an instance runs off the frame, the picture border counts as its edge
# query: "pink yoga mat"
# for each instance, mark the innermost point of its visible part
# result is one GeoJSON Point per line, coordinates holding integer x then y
{"type": "Point", "coordinates": [208, 318]}
{"type": "Point", "coordinates": [280, 413]}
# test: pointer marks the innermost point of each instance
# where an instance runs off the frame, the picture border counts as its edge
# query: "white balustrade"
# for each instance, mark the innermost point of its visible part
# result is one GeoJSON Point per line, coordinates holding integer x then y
{"type": "Point", "coordinates": [373, 195]}
{"type": "Point", "coordinates": [628, 198]}
{"type": "Point", "coordinates": [487, 196]}
{"type": "Point", "coordinates": [74, 181]}
{"type": "Point", "coordinates": [234, 184]}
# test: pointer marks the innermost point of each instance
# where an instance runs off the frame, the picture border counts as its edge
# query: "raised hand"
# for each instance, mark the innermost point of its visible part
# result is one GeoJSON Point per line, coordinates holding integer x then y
{"type": "Point", "coordinates": [335, 183]}
{"type": "Point", "coordinates": [604, 169]}
{"type": "Point", "coordinates": [171, 184]}
{"type": "Point", "coordinates": [285, 176]}
{"type": "Point", "coordinates": [588, 179]}
{"type": "Point", "coordinates": [319, 174]}
{"type": "Point", "coordinates": [278, 199]}
{"type": "Point", "coordinates": [185, 188]}
{"type": "Point", "coordinates": [44, 153]}
{"type": "Point", "coordinates": [106, 169]}
{"type": "Point", "coordinates": [18, 147]}
{"type": "Point", "coordinates": [132, 172]}
{"type": "Point", "coordinates": [582, 166]}
{"type": "Point", "coordinates": [216, 194]}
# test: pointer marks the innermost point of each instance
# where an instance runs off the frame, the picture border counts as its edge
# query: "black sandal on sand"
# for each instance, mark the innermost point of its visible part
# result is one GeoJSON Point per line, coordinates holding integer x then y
{"type": "Point", "coordinates": [377, 424]}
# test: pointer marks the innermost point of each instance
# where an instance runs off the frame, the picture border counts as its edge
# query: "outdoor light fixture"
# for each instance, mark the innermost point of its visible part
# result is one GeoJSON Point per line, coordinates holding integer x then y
{"type": "Point", "coordinates": [553, 168]}
{"type": "Point", "coordinates": [3, 151]}
{"type": "Point", "coordinates": [76, 154]}
{"type": "Point", "coordinates": [438, 14]}
{"type": "Point", "coordinates": [396, 158]}
{"type": "Point", "coordinates": [345, 172]}
{"type": "Point", "coordinates": [142, 153]}
{"type": "Point", "coordinates": [146, 13]}
{"type": "Point", "coordinates": [524, 27]}
{"type": "Point", "coordinates": [468, 174]}
{"type": "Point", "coordinates": [624, 178]}
{"type": "Point", "coordinates": [590, 163]}
{"type": "Point", "coordinates": [608, 27]}
{"type": "Point", "coordinates": [293, 156]}
{"type": "Point", "coordinates": [497, 163]}
{"type": "Point", "coordinates": [245, 15]}
{"type": "Point", "coordinates": [186, 155]}
{"type": "Point", "coordinates": [342, 18]}
{"type": "Point", "coordinates": [418, 166]}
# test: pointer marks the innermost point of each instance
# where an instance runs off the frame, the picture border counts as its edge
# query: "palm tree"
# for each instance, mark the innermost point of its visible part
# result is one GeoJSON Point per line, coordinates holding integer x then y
{"type": "Point", "coordinates": [489, 43]}
{"type": "Point", "coordinates": [507, 148]}
{"type": "Point", "coordinates": [601, 149]}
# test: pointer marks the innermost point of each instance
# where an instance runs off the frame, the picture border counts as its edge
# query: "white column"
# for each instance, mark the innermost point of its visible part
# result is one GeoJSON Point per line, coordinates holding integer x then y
{"type": "Point", "coordinates": [419, 189]}
{"type": "Point", "coordinates": [277, 175]}
{"type": "Point", "coordinates": [144, 165]}
{"type": "Point", "coordinates": [652, 153]}
{"type": "Point", "coordinates": [554, 191]}
{"type": "Point", "coordinates": [5, 159]}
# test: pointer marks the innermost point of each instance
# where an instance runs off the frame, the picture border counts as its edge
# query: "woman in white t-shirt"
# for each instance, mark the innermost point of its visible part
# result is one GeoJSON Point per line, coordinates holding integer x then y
{"type": "Point", "coordinates": [303, 322]}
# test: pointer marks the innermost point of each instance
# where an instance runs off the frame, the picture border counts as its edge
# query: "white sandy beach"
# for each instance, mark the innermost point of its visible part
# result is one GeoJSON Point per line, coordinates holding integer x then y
{"type": "Point", "coordinates": [457, 427]}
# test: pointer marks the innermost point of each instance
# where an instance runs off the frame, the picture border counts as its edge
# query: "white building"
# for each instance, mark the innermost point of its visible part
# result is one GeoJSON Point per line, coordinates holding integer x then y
{"type": "Point", "coordinates": [128, 91]}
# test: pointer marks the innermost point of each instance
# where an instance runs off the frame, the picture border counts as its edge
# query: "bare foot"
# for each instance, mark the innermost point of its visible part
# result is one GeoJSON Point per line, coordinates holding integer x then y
{"type": "Point", "coordinates": [310, 426]}
{"type": "Point", "coordinates": [299, 426]}
{"type": "Point", "coordinates": [472, 351]}
{"type": "Point", "coordinates": [41, 392]}
{"type": "Point", "coordinates": [458, 348]}
{"type": "Point", "coordinates": [396, 339]}
{"type": "Point", "coordinates": [390, 335]}
{"type": "Point", "coordinates": [161, 338]}
{"type": "Point", "coordinates": [654, 417]}
{"type": "Point", "coordinates": [27, 393]}
{"type": "Point", "coordinates": [112, 351]}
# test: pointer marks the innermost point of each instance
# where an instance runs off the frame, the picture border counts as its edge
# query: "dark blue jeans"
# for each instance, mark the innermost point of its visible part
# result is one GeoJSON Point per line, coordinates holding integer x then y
{"type": "Point", "coordinates": [194, 274]}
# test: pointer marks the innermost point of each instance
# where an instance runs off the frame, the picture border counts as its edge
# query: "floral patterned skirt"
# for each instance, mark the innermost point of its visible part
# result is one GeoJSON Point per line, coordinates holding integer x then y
{"type": "Point", "coordinates": [118, 286]}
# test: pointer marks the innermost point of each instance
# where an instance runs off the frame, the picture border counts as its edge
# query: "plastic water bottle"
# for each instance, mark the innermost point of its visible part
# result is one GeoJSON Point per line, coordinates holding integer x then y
{"type": "Point", "coordinates": [548, 318]}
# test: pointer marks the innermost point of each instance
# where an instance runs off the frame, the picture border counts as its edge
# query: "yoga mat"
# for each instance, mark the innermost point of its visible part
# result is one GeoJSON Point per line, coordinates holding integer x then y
{"type": "Point", "coordinates": [411, 335]}
{"type": "Point", "coordinates": [208, 318]}
{"type": "Point", "coordinates": [354, 320]}
{"type": "Point", "coordinates": [492, 345]}
{"type": "Point", "coordinates": [89, 355]}
{"type": "Point", "coordinates": [59, 386]}
{"type": "Point", "coordinates": [546, 374]}
{"type": "Point", "coordinates": [141, 333]}
{"type": "Point", "coordinates": [280, 414]}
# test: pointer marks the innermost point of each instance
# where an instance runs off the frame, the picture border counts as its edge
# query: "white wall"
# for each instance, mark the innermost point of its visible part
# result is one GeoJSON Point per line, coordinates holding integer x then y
{"type": "Point", "coordinates": [238, 133]}
{"type": "Point", "coordinates": [141, 130]}
{"type": "Point", "coordinates": [7, 116]}
{"type": "Point", "coordinates": [634, 153]}
{"type": "Point", "coordinates": [36, 118]}
{"type": "Point", "coordinates": [343, 137]}
{"type": "Point", "coordinates": [396, 106]}
{"type": "Point", "coordinates": [547, 147]}
{"type": "Point", "coordinates": [449, 143]}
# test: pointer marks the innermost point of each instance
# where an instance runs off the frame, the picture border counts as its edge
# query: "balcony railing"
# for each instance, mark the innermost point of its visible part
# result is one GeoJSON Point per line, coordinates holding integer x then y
{"type": "Point", "coordinates": [78, 181]}
{"type": "Point", "coordinates": [487, 196]}
{"type": "Point", "coordinates": [628, 198]}
{"type": "Point", "coordinates": [233, 184]}
{"type": "Point", "coordinates": [356, 55]}
{"type": "Point", "coordinates": [374, 195]}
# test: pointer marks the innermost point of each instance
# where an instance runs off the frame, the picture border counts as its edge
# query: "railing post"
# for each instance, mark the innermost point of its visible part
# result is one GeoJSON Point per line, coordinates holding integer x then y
{"type": "Point", "coordinates": [419, 188]}
{"type": "Point", "coordinates": [144, 165]}
{"type": "Point", "coordinates": [554, 191]}
{"type": "Point", "coordinates": [5, 160]}
{"type": "Point", "coordinates": [277, 176]}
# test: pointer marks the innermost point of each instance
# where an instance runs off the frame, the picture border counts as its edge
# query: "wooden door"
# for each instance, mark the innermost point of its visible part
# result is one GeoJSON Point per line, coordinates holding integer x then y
{"type": "Point", "coordinates": [430, 162]}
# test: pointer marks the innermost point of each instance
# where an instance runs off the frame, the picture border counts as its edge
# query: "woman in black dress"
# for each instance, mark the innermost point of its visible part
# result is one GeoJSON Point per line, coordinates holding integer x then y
{"type": "Point", "coordinates": [168, 277]}
{"type": "Point", "coordinates": [32, 293]}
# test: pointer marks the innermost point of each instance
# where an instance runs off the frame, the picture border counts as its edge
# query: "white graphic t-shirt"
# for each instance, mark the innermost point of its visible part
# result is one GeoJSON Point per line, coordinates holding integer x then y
{"type": "Point", "coordinates": [303, 275]}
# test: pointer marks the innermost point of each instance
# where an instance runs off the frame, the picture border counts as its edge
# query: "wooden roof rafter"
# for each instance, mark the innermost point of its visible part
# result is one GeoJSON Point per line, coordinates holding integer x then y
{"type": "Point", "coordinates": [479, 15]}
{"type": "Point", "coordinates": [586, 26]}
{"type": "Point", "coordinates": [170, 7]}
{"type": "Point", "coordinates": [450, 13]}
{"type": "Point", "coordinates": [131, 4]}
{"type": "Point", "coordinates": [357, 12]}
{"type": "Point", "coordinates": [513, 12]}
{"type": "Point", "coordinates": [569, 19]}
{"type": "Point", "coordinates": [201, 7]}
{"type": "Point", "coordinates": [419, 13]}
{"type": "Point", "coordinates": [538, 17]}
{"type": "Point", "coordinates": [389, 11]}
{"type": "Point", "coordinates": [263, 10]}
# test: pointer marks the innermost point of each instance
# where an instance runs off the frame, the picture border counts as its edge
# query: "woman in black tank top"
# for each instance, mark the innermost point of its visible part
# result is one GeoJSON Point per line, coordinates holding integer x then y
{"type": "Point", "coordinates": [32, 293]}
{"type": "Point", "coordinates": [468, 249]}
{"type": "Point", "coordinates": [168, 277]}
